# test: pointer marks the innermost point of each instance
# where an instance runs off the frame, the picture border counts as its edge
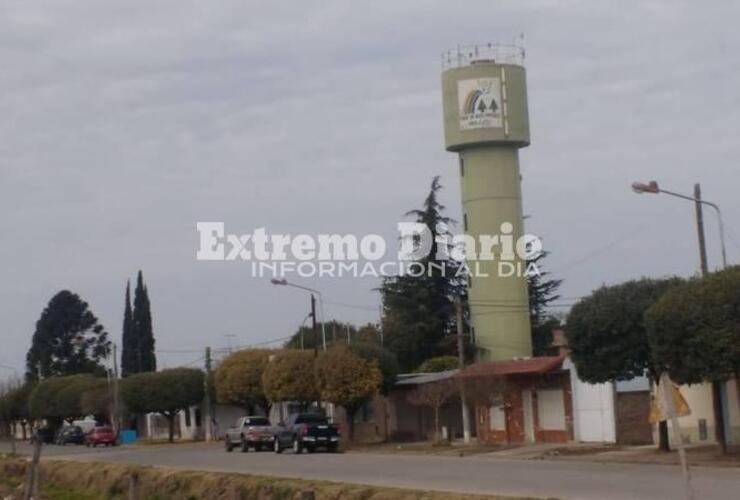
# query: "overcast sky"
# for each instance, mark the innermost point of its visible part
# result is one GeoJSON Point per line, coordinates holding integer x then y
{"type": "Point", "coordinates": [122, 124]}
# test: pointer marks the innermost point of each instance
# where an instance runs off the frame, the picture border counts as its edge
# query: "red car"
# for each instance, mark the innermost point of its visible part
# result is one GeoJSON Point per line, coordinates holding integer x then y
{"type": "Point", "coordinates": [100, 435]}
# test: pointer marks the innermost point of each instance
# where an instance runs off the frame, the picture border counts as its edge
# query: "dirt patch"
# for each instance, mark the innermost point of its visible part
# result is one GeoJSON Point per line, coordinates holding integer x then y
{"type": "Point", "coordinates": [75, 480]}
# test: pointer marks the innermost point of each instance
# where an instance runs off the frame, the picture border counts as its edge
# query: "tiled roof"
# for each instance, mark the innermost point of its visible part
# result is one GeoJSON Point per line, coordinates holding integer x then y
{"type": "Point", "coordinates": [523, 366]}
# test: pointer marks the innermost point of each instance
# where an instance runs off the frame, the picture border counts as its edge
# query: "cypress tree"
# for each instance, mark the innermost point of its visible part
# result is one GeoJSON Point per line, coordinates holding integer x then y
{"type": "Point", "coordinates": [145, 359]}
{"type": "Point", "coordinates": [128, 342]}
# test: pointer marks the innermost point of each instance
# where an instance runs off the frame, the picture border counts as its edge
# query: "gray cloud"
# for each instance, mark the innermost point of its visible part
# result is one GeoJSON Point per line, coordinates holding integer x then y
{"type": "Point", "coordinates": [121, 125]}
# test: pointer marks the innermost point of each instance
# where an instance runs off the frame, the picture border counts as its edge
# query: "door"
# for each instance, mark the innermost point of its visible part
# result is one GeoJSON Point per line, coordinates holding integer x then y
{"type": "Point", "coordinates": [528, 419]}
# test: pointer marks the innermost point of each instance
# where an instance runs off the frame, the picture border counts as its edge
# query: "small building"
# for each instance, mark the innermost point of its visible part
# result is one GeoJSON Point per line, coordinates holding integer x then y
{"type": "Point", "coordinates": [527, 400]}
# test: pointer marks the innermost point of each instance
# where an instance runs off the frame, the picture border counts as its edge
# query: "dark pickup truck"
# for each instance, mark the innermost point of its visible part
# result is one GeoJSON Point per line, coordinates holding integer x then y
{"type": "Point", "coordinates": [306, 431]}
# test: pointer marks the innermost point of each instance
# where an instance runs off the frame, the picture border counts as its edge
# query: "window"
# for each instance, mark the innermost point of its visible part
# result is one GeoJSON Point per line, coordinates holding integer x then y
{"type": "Point", "coordinates": [462, 167]}
{"type": "Point", "coordinates": [311, 419]}
{"type": "Point", "coordinates": [197, 417]}
{"type": "Point", "coordinates": [368, 411]}
{"type": "Point", "coordinates": [187, 417]}
{"type": "Point", "coordinates": [497, 418]}
{"type": "Point", "coordinates": [465, 222]}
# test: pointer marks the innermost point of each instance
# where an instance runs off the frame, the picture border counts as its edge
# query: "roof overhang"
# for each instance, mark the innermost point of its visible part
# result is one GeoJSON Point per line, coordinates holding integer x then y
{"type": "Point", "coordinates": [512, 367]}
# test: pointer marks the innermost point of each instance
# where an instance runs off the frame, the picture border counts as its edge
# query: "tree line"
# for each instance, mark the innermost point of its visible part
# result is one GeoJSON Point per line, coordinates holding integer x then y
{"type": "Point", "coordinates": [255, 379]}
{"type": "Point", "coordinates": [60, 399]}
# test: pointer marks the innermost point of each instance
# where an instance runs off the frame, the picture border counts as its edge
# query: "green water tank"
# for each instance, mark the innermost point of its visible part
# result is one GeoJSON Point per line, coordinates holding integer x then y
{"type": "Point", "coordinates": [486, 121]}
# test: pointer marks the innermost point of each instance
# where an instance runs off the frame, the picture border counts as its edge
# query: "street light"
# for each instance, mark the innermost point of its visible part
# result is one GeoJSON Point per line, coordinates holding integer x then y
{"type": "Point", "coordinates": [653, 188]}
{"type": "Point", "coordinates": [284, 282]}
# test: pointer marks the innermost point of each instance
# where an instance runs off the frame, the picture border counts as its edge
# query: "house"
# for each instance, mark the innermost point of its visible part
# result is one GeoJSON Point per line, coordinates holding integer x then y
{"type": "Point", "coordinates": [524, 400]}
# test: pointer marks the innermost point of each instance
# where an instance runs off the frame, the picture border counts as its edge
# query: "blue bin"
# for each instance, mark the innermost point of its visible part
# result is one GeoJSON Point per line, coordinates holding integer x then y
{"type": "Point", "coordinates": [128, 437]}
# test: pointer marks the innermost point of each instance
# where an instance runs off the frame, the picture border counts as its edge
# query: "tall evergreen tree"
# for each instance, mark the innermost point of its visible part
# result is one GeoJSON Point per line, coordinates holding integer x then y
{"type": "Point", "coordinates": [129, 363]}
{"type": "Point", "coordinates": [145, 360]}
{"type": "Point", "coordinates": [542, 291]}
{"type": "Point", "coordinates": [419, 310]}
{"type": "Point", "coordinates": [68, 340]}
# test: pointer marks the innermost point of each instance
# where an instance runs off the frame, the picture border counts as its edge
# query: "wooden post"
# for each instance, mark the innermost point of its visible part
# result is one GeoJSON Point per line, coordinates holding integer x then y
{"type": "Point", "coordinates": [13, 449]}
{"type": "Point", "coordinates": [134, 487]}
{"type": "Point", "coordinates": [31, 490]}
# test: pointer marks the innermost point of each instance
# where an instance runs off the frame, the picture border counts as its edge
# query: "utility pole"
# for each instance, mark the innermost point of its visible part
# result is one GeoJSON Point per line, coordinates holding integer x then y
{"type": "Point", "coordinates": [116, 395]}
{"type": "Point", "coordinates": [700, 230]}
{"type": "Point", "coordinates": [380, 326]}
{"type": "Point", "coordinates": [461, 358]}
{"type": "Point", "coordinates": [315, 328]}
{"type": "Point", "coordinates": [719, 424]}
{"type": "Point", "coordinates": [207, 399]}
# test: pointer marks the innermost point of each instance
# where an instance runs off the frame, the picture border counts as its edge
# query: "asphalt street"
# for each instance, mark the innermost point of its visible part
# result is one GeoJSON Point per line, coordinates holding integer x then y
{"type": "Point", "coordinates": [473, 474]}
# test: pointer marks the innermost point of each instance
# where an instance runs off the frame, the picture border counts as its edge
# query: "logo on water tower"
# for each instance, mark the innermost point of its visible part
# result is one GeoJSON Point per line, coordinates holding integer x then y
{"type": "Point", "coordinates": [479, 103]}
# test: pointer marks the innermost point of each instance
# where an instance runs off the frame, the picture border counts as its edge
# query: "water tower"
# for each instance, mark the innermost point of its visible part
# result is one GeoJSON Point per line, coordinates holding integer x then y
{"type": "Point", "coordinates": [485, 122]}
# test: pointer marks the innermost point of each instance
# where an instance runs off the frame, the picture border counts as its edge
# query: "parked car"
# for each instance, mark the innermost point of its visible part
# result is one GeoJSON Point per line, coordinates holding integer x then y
{"type": "Point", "coordinates": [306, 431]}
{"type": "Point", "coordinates": [70, 435]}
{"type": "Point", "coordinates": [100, 435]}
{"type": "Point", "coordinates": [43, 434]}
{"type": "Point", "coordinates": [249, 432]}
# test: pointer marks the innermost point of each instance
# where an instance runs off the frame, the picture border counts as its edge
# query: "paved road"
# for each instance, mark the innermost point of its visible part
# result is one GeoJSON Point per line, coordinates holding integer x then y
{"type": "Point", "coordinates": [476, 474]}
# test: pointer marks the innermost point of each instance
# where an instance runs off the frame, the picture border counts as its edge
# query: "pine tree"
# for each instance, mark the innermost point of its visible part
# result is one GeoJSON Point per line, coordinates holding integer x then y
{"type": "Point", "coordinates": [542, 291]}
{"type": "Point", "coordinates": [419, 311]}
{"type": "Point", "coordinates": [128, 341]}
{"type": "Point", "coordinates": [68, 340]}
{"type": "Point", "coordinates": [145, 359]}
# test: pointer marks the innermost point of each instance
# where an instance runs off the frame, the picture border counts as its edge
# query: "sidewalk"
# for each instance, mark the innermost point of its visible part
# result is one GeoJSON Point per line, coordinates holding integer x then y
{"type": "Point", "coordinates": [704, 455]}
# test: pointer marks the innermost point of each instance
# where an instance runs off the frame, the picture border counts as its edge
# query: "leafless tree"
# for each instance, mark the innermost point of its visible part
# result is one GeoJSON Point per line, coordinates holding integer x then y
{"type": "Point", "coordinates": [485, 390]}
{"type": "Point", "coordinates": [434, 395]}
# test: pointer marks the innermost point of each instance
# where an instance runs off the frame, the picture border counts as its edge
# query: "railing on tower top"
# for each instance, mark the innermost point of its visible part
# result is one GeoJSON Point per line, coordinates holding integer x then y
{"type": "Point", "coordinates": [492, 52]}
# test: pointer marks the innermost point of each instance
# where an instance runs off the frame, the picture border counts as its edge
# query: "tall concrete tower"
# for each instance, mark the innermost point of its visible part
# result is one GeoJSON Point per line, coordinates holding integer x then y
{"type": "Point", "coordinates": [486, 122]}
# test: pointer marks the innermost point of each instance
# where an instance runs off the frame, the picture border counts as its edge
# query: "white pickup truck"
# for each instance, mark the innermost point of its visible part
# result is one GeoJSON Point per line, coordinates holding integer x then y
{"type": "Point", "coordinates": [250, 432]}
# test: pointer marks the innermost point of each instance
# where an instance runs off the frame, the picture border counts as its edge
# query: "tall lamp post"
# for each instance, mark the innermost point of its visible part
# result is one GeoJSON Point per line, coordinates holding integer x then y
{"type": "Point", "coordinates": [284, 282]}
{"type": "Point", "coordinates": [653, 188]}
